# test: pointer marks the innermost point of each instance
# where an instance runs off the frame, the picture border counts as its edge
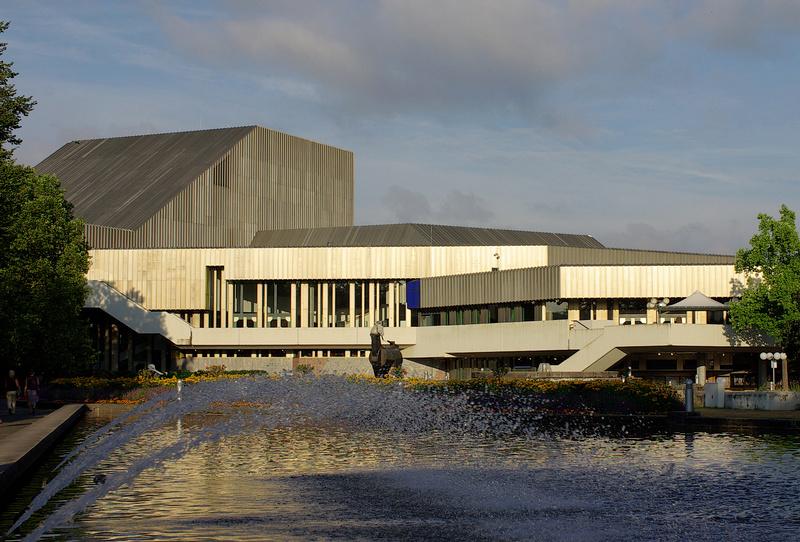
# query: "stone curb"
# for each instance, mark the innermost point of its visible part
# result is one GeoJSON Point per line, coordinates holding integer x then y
{"type": "Point", "coordinates": [24, 448]}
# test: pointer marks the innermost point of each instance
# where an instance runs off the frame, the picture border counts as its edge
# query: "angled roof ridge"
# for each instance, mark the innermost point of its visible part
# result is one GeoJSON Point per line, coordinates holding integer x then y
{"type": "Point", "coordinates": [121, 182]}
{"type": "Point", "coordinates": [175, 132]}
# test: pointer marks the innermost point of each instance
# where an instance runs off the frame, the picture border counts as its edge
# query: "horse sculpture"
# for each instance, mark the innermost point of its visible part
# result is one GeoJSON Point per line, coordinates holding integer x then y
{"type": "Point", "coordinates": [387, 358]}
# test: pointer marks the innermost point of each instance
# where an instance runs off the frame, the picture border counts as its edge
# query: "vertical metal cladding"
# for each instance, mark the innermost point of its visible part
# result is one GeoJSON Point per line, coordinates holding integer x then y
{"type": "Point", "coordinates": [492, 287]}
{"type": "Point", "coordinates": [268, 180]}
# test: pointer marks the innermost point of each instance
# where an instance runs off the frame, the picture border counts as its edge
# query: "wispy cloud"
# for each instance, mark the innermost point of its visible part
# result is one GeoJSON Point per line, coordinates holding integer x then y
{"type": "Point", "coordinates": [454, 207]}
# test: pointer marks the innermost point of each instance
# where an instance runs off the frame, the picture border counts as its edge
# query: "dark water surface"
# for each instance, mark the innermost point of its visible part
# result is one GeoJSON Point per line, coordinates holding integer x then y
{"type": "Point", "coordinates": [336, 484]}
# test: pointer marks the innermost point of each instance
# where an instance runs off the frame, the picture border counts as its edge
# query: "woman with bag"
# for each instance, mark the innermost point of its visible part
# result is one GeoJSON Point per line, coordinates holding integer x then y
{"type": "Point", "coordinates": [32, 391]}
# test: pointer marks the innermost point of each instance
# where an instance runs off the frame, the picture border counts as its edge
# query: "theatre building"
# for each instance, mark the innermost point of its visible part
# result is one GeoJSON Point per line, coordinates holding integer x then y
{"type": "Point", "coordinates": [237, 247]}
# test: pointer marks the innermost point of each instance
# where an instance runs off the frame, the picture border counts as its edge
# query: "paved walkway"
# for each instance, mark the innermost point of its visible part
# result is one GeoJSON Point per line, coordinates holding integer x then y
{"type": "Point", "coordinates": [21, 419]}
{"type": "Point", "coordinates": [27, 438]}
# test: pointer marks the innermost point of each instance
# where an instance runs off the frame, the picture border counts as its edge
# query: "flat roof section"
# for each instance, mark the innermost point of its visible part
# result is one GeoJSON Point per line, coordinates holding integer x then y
{"type": "Point", "coordinates": [402, 235]}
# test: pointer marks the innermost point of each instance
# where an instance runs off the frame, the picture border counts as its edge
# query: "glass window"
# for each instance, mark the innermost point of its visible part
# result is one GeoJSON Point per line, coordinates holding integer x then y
{"type": "Point", "coordinates": [383, 301]}
{"type": "Point", "coordinates": [312, 304]}
{"type": "Point", "coordinates": [587, 310]}
{"type": "Point", "coordinates": [556, 311]}
{"type": "Point", "coordinates": [632, 311]}
{"type": "Point", "coordinates": [341, 316]}
{"type": "Point", "coordinates": [716, 317]}
{"type": "Point", "coordinates": [244, 297]}
{"type": "Point", "coordinates": [279, 304]}
{"type": "Point", "coordinates": [359, 300]}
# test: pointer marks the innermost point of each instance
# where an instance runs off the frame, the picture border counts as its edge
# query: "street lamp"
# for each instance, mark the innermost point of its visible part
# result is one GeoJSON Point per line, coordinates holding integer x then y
{"type": "Point", "coordinates": [773, 361]}
{"type": "Point", "coordinates": [658, 306]}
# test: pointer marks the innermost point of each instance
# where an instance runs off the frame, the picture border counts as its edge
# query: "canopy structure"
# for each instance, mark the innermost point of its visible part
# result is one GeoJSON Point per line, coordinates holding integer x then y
{"type": "Point", "coordinates": [698, 301]}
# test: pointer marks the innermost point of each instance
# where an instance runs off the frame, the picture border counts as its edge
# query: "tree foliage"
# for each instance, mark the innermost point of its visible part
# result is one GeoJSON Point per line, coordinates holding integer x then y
{"type": "Point", "coordinates": [12, 106]}
{"type": "Point", "coordinates": [43, 265]}
{"type": "Point", "coordinates": [770, 302]}
{"type": "Point", "coordinates": [43, 257]}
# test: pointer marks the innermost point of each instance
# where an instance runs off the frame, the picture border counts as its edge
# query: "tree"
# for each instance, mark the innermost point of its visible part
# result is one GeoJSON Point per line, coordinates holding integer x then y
{"type": "Point", "coordinates": [43, 257]}
{"type": "Point", "coordinates": [12, 107]}
{"type": "Point", "coordinates": [770, 302]}
{"type": "Point", "coordinates": [43, 265]}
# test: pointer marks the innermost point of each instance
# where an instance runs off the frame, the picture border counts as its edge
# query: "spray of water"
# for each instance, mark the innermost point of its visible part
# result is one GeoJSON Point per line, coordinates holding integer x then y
{"type": "Point", "coordinates": [255, 403]}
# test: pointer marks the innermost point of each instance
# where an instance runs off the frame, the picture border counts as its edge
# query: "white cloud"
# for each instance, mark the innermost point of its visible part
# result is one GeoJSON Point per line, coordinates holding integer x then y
{"type": "Point", "coordinates": [399, 56]}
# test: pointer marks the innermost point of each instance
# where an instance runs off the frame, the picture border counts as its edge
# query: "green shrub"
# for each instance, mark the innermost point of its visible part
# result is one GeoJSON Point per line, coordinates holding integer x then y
{"type": "Point", "coordinates": [609, 396]}
{"type": "Point", "coordinates": [215, 370]}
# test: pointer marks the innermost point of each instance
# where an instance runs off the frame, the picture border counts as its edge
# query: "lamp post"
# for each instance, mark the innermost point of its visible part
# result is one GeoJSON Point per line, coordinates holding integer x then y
{"type": "Point", "coordinates": [773, 359]}
{"type": "Point", "coordinates": [654, 303]}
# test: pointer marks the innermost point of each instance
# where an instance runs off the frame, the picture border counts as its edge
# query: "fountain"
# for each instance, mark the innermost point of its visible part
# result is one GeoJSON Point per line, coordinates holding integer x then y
{"type": "Point", "coordinates": [302, 457]}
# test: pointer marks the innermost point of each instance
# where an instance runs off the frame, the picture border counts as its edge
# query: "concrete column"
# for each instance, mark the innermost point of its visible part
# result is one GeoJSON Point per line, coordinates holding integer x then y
{"type": "Point", "coordinates": [601, 310]}
{"type": "Point", "coordinates": [324, 319]}
{"type": "Point", "coordinates": [223, 304]}
{"type": "Point", "coordinates": [390, 302]}
{"type": "Point", "coordinates": [701, 317]}
{"type": "Point", "coordinates": [163, 350]}
{"type": "Point", "coordinates": [195, 319]}
{"type": "Point", "coordinates": [371, 310]}
{"type": "Point", "coordinates": [229, 311]}
{"type": "Point", "coordinates": [700, 378]}
{"type": "Point", "coordinates": [304, 304]}
{"type": "Point", "coordinates": [408, 316]}
{"type": "Point", "coordinates": [615, 312]}
{"type": "Point", "coordinates": [652, 316]}
{"type": "Point", "coordinates": [363, 303]}
{"type": "Point", "coordinates": [319, 304]}
{"type": "Point", "coordinates": [215, 299]}
{"type": "Point", "coordinates": [293, 305]}
{"type": "Point", "coordinates": [114, 348]}
{"type": "Point", "coordinates": [148, 347]}
{"type": "Point", "coordinates": [106, 336]}
{"type": "Point", "coordinates": [573, 310]}
{"type": "Point", "coordinates": [131, 336]}
{"type": "Point", "coordinates": [352, 309]}
{"type": "Point", "coordinates": [260, 307]}
{"type": "Point", "coordinates": [332, 308]}
{"type": "Point", "coordinates": [542, 308]}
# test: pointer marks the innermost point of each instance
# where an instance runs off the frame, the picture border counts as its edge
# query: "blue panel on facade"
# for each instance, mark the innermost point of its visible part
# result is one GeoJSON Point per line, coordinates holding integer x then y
{"type": "Point", "coordinates": [412, 294]}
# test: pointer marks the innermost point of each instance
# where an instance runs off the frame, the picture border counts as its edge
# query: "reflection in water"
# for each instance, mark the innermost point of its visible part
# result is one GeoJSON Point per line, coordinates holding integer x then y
{"type": "Point", "coordinates": [328, 478]}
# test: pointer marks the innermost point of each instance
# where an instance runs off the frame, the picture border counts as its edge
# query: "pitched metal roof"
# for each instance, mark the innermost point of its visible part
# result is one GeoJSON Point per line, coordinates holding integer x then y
{"type": "Point", "coordinates": [698, 301]}
{"type": "Point", "coordinates": [122, 181]}
{"type": "Point", "coordinates": [415, 235]}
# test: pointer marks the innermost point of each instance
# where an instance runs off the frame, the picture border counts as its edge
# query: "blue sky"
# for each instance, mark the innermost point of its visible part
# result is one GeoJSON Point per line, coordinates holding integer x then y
{"type": "Point", "coordinates": [666, 125]}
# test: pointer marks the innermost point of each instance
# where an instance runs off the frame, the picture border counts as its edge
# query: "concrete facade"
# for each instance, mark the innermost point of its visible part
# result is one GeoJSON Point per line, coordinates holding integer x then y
{"type": "Point", "coordinates": [247, 253]}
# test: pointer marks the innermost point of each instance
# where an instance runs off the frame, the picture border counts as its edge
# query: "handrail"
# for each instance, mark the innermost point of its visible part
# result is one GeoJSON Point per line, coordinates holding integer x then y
{"type": "Point", "coordinates": [581, 323]}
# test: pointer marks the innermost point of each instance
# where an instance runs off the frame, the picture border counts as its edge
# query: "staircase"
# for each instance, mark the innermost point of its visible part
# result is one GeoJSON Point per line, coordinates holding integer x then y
{"type": "Point", "coordinates": [106, 298]}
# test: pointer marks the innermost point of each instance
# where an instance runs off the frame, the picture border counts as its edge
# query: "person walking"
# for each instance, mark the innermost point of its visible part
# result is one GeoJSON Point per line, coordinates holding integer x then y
{"type": "Point", "coordinates": [12, 390]}
{"type": "Point", "coordinates": [32, 391]}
